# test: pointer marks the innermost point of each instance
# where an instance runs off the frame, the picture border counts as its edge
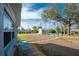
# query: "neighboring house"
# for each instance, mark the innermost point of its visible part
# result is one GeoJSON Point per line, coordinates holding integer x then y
{"type": "Point", "coordinates": [43, 31]}
{"type": "Point", "coordinates": [10, 17]}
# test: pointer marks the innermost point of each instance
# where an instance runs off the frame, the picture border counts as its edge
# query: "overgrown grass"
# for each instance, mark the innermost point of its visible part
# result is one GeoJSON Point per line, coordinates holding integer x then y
{"type": "Point", "coordinates": [70, 38]}
{"type": "Point", "coordinates": [23, 37]}
{"type": "Point", "coordinates": [50, 49]}
{"type": "Point", "coordinates": [56, 50]}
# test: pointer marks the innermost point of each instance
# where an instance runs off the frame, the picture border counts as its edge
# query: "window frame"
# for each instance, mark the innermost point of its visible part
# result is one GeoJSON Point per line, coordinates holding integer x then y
{"type": "Point", "coordinates": [10, 19]}
{"type": "Point", "coordinates": [12, 23]}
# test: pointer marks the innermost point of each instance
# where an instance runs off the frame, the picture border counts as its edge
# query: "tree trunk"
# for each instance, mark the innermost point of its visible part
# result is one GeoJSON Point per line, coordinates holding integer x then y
{"type": "Point", "coordinates": [69, 32]}
{"type": "Point", "coordinates": [64, 32]}
{"type": "Point", "coordinates": [78, 25]}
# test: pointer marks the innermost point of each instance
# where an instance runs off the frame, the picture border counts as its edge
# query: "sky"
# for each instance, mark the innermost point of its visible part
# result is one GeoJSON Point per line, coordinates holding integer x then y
{"type": "Point", "coordinates": [31, 15]}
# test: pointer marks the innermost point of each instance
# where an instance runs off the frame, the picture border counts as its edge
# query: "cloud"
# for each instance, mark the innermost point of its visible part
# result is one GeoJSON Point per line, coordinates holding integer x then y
{"type": "Point", "coordinates": [35, 6]}
{"type": "Point", "coordinates": [28, 13]}
{"type": "Point", "coordinates": [27, 5]}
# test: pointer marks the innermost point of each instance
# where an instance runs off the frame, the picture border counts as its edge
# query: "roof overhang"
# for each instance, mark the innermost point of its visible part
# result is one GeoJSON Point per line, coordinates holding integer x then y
{"type": "Point", "coordinates": [16, 8]}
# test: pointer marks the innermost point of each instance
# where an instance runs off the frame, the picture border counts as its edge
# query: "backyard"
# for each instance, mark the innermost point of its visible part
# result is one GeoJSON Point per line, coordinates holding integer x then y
{"type": "Point", "coordinates": [53, 46]}
{"type": "Point", "coordinates": [53, 29]}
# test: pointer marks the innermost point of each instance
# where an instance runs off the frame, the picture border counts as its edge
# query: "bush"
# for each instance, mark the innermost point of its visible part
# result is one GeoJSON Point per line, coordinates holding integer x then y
{"type": "Point", "coordinates": [52, 31]}
{"type": "Point", "coordinates": [35, 31]}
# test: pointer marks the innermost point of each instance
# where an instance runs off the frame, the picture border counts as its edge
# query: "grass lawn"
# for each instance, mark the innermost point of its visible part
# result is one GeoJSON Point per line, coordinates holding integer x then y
{"type": "Point", "coordinates": [23, 37]}
{"type": "Point", "coordinates": [49, 48]}
{"type": "Point", "coordinates": [71, 38]}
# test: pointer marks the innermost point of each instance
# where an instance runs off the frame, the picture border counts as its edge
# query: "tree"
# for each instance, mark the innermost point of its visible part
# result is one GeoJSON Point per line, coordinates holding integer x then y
{"type": "Point", "coordinates": [35, 29]}
{"type": "Point", "coordinates": [77, 14]}
{"type": "Point", "coordinates": [22, 29]}
{"type": "Point", "coordinates": [51, 31]}
{"type": "Point", "coordinates": [77, 21]}
{"type": "Point", "coordinates": [53, 13]}
{"type": "Point", "coordinates": [58, 30]}
{"type": "Point", "coordinates": [70, 10]}
{"type": "Point", "coordinates": [48, 13]}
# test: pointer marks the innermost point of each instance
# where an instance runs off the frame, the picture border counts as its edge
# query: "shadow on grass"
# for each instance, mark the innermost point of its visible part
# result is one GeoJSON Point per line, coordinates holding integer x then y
{"type": "Point", "coordinates": [56, 50]}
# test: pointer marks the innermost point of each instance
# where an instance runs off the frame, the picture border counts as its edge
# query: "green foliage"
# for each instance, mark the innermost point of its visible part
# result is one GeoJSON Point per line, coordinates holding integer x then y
{"type": "Point", "coordinates": [22, 29]}
{"type": "Point", "coordinates": [62, 29]}
{"type": "Point", "coordinates": [50, 13]}
{"type": "Point", "coordinates": [51, 31]}
{"type": "Point", "coordinates": [58, 30]}
{"type": "Point", "coordinates": [35, 29]}
{"type": "Point", "coordinates": [70, 10]}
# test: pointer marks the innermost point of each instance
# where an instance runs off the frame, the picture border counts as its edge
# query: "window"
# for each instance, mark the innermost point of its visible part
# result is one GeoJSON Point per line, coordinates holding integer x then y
{"type": "Point", "coordinates": [8, 26]}
{"type": "Point", "coordinates": [13, 35]}
{"type": "Point", "coordinates": [7, 38]}
{"type": "Point", "coordinates": [7, 22]}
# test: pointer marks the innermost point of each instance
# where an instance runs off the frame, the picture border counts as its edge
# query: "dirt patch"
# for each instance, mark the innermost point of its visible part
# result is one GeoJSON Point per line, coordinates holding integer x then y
{"type": "Point", "coordinates": [51, 46]}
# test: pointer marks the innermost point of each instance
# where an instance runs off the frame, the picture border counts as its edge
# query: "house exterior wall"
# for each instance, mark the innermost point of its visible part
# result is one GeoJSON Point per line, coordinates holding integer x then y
{"type": "Point", "coordinates": [40, 31]}
{"type": "Point", "coordinates": [1, 31]}
{"type": "Point", "coordinates": [9, 49]}
{"type": "Point", "coordinates": [43, 31]}
{"type": "Point", "coordinates": [17, 12]}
